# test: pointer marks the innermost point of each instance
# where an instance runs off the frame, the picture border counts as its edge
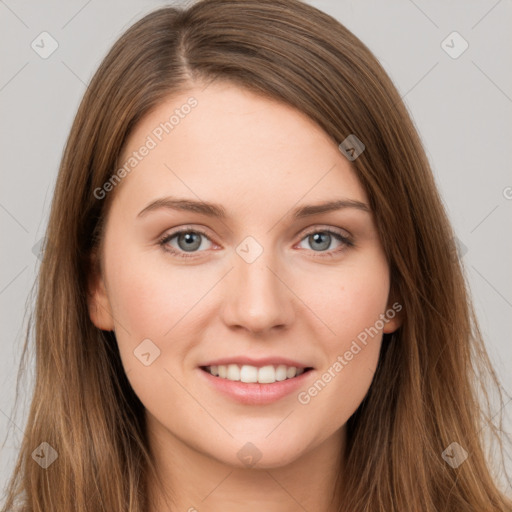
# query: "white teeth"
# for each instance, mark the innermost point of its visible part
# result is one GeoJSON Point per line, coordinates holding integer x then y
{"type": "Point", "coordinates": [281, 372]}
{"type": "Point", "coordinates": [290, 372]}
{"type": "Point", "coordinates": [233, 372]}
{"type": "Point", "coordinates": [266, 375]}
{"type": "Point", "coordinates": [246, 373]}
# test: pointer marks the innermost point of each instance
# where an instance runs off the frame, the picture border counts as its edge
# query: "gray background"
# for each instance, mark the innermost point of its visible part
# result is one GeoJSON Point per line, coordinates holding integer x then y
{"type": "Point", "coordinates": [461, 106]}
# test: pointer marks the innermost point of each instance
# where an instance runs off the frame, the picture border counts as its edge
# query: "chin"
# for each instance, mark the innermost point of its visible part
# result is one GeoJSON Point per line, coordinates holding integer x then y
{"type": "Point", "coordinates": [262, 454]}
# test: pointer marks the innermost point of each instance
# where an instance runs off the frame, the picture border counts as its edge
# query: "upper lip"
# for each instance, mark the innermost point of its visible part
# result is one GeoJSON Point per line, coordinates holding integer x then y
{"type": "Point", "coordinates": [266, 361]}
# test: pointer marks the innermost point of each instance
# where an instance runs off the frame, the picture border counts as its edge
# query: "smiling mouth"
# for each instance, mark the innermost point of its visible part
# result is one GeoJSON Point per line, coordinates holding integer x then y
{"type": "Point", "coordinates": [251, 374]}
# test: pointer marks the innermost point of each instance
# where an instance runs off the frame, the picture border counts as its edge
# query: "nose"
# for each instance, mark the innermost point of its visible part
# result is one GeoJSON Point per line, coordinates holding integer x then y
{"type": "Point", "coordinates": [258, 297]}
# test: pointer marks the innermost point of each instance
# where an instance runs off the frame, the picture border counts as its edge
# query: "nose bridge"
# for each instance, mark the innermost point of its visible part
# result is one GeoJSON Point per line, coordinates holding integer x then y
{"type": "Point", "coordinates": [257, 297]}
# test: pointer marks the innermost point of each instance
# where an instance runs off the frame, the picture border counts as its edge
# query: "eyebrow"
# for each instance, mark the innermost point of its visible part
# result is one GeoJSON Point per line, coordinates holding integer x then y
{"type": "Point", "coordinates": [218, 211]}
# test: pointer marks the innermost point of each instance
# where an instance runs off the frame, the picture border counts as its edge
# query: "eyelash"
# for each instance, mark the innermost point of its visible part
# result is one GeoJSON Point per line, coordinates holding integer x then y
{"type": "Point", "coordinates": [327, 254]}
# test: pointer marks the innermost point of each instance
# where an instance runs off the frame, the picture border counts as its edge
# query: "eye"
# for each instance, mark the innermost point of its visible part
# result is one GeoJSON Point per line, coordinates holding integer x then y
{"type": "Point", "coordinates": [321, 240]}
{"type": "Point", "coordinates": [191, 241]}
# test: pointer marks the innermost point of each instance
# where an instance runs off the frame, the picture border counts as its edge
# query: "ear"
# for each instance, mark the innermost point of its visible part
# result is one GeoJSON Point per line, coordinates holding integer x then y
{"type": "Point", "coordinates": [98, 303]}
{"type": "Point", "coordinates": [394, 313]}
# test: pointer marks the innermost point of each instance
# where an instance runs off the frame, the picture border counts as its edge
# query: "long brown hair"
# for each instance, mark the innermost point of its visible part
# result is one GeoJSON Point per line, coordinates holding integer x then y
{"type": "Point", "coordinates": [431, 385]}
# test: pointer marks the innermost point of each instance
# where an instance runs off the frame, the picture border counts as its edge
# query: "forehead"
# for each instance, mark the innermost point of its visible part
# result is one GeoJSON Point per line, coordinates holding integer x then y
{"type": "Point", "coordinates": [235, 147]}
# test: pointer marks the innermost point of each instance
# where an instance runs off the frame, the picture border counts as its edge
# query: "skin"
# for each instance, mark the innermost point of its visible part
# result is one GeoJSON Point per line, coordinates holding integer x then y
{"type": "Point", "coordinates": [259, 159]}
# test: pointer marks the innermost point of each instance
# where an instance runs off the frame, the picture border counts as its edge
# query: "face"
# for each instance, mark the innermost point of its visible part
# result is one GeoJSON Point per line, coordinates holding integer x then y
{"type": "Point", "coordinates": [259, 286]}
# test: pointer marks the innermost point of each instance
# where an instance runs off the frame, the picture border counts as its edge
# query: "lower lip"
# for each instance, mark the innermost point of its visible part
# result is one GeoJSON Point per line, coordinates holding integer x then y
{"type": "Point", "coordinates": [254, 393]}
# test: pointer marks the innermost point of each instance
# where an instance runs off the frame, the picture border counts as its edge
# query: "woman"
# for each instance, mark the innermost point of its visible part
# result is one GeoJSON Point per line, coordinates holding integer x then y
{"type": "Point", "coordinates": [195, 350]}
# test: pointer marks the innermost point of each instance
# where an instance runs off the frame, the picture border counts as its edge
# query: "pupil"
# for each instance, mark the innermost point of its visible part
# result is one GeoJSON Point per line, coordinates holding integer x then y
{"type": "Point", "coordinates": [189, 240]}
{"type": "Point", "coordinates": [317, 237]}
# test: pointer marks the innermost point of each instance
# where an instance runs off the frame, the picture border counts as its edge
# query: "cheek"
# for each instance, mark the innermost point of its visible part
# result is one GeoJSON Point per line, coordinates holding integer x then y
{"type": "Point", "coordinates": [352, 310]}
{"type": "Point", "coordinates": [150, 300]}
{"type": "Point", "coordinates": [150, 296]}
{"type": "Point", "coordinates": [348, 300]}
{"type": "Point", "coordinates": [150, 307]}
